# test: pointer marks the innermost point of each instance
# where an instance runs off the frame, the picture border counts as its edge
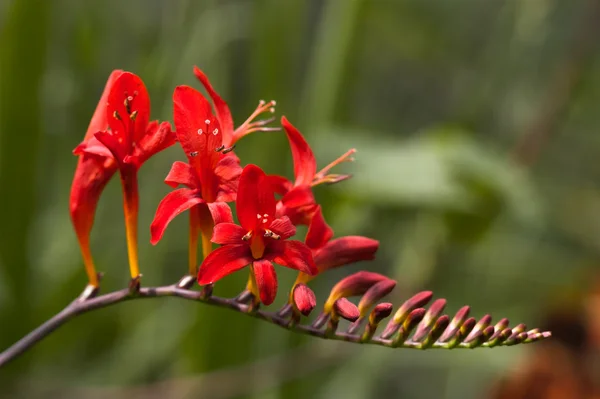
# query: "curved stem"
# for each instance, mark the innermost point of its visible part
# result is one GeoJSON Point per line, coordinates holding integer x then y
{"type": "Point", "coordinates": [87, 302]}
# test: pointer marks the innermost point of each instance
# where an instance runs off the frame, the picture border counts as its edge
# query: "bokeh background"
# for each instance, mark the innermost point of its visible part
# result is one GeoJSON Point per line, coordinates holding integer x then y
{"type": "Point", "coordinates": [476, 124]}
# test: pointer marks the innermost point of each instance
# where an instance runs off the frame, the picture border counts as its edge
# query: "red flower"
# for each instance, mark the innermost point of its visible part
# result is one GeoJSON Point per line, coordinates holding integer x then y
{"type": "Point", "coordinates": [230, 134]}
{"type": "Point", "coordinates": [260, 240]}
{"type": "Point", "coordinates": [91, 176]}
{"type": "Point", "coordinates": [131, 139]}
{"type": "Point", "coordinates": [210, 177]}
{"type": "Point", "coordinates": [213, 171]}
{"type": "Point", "coordinates": [298, 202]}
{"type": "Point", "coordinates": [328, 253]}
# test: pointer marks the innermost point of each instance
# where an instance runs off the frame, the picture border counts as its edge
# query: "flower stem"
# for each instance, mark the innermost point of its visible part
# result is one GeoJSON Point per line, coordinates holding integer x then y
{"type": "Point", "coordinates": [88, 261]}
{"type": "Point", "coordinates": [130, 208]}
{"type": "Point", "coordinates": [193, 239]}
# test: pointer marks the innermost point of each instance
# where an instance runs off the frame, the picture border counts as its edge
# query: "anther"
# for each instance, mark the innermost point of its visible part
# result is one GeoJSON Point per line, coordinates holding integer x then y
{"type": "Point", "coordinates": [272, 110]}
{"type": "Point", "coordinates": [193, 153]}
{"type": "Point", "coordinates": [116, 116]}
{"type": "Point", "coordinates": [133, 115]}
{"type": "Point", "coordinates": [247, 236]}
{"type": "Point", "coordinates": [226, 150]}
{"type": "Point", "coordinates": [261, 103]}
{"type": "Point", "coordinates": [270, 234]}
{"type": "Point", "coordinates": [220, 148]}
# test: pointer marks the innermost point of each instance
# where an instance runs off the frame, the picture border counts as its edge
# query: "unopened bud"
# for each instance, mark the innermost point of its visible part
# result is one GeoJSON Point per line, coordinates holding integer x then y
{"type": "Point", "coordinates": [304, 299]}
{"type": "Point", "coordinates": [374, 294]}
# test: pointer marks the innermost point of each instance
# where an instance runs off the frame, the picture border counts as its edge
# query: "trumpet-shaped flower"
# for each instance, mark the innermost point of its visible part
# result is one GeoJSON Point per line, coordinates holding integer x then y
{"type": "Point", "coordinates": [259, 240]}
{"type": "Point", "coordinates": [91, 176]}
{"type": "Point", "coordinates": [130, 139]}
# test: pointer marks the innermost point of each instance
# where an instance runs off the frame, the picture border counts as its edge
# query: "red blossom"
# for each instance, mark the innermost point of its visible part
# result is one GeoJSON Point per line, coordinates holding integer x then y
{"type": "Point", "coordinates": [91, 176]}
{"type": "Point", "coordinates": [297, 201]}
{"type": "Point", "coordinates": [211, 175]}
{"type": "Point", "coordinates": [131, 139]}
{"type": "Point", "coordinates": [259, 240]}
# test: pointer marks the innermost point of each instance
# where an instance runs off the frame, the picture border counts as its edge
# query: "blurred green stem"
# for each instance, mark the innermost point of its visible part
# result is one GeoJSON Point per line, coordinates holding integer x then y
{"type": "Point", "coordinates": [325, 71]}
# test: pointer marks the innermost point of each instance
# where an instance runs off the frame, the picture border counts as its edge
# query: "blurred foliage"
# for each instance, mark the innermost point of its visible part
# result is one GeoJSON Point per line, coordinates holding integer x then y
{"type": "Point", "coordinates": [434, 94]}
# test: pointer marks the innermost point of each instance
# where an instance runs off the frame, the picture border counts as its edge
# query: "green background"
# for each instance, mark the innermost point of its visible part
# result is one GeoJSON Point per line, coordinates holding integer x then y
{"type": "Point", "coordinates": [476, 125]}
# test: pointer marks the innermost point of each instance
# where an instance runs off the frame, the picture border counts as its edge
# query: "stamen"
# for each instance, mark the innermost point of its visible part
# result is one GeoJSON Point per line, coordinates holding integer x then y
{"type": "Point", "coordinates": [215, 132]}
{"type": "Point", "coordinates": [265, 220]}
{"type": "Point", "coordinates": [322, 177]}
{"type": "Point", "coordinates": [247, 236]}
{"type": "Point", "coordinates": [193, 153]}
{"type": "Point", "coordinates": [258, 216]}
{"type": "Point", "coordinates": [133, 115]}
{"type": "Point", "coordinates": [220, 148]}
{"type": "Point", "coordinates": [200, 131]}
{"type": "Point", "coordinates": [127, 104]}
{"type": "Point", "coordinates": [226, 150]}
{"type": "Point", "coordinates": [116, 116]}
{"type": "Point", "coordinates": [250, 125]}
{"type": "Point", "coordinates": [207, 121]}
{"type": "Point", "coordinates": [270, 234]}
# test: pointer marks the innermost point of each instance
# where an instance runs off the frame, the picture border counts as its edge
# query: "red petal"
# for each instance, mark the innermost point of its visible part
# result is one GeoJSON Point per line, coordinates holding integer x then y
{"type": "Point", "coordinates": [91, 176]}
{"type": "Point", "coordinates": [292, 254]}
{"type": "Point", "coordinates": [182, 173]}
{"type": "Point", "coordinates": [228, 233]}
{"type": "Point", "coordinates": [222, 262]}
{"type": "Point", "coordinates": [255, 197]}
{"type": "Point", "coordinates": [345, 250]}
{"type": "Point", "coordinates": [304, 299]}
{"type": "Point", "coordinates": [190, 113]}
{"type": "Point", "coordinates": [228, 170]}
{"type": "Point", "coordinates": [319, 232]}
{"type": "Point", "coordinates": [93, 147]}
{"type": "Point", "coordinates": [280, 184]}
{"type": "Point", "coordinates": [298, 196]}
{"type": "Point", "coordinates": [266, 280]}
{"type": "Point", "coordinates": [128, 85]}
{"type": "Point", "coordinates": [221, 107]}
{"type": "Point", "coordinates": [305, 165]}
{"type": "Point", "coordinates": [157, 138]}
{"type": "Point", "coordinates": [283, 227]}
{"type": "Point", "coordinates": [220, 212]}
{"type": "Point", "coordinates": [111, 142]}
{"type": "Point", "coordinates": [99, 122]}
{"type": "Point", "coordinates": [172, 205]}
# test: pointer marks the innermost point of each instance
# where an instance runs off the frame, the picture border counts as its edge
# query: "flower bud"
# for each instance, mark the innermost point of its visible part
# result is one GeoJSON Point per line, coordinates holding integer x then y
{"type": "Point", "coordinates": [304, 299]}
{"type": "Point", "coordinates": [374, 294]}
{"type": "Point", "coordinates": [346, 309]}
{"type": "Point", "coordinates": [355, 284]}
